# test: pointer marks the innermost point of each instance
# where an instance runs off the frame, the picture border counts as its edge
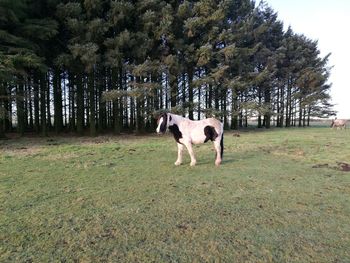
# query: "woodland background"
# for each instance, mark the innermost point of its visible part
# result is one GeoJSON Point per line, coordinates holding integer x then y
{"type": "Point", "coordinates": [90, 66]}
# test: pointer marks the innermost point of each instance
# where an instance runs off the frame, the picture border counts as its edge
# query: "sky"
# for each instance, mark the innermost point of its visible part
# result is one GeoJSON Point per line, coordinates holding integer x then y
{"type": "Point", "coordinates": [329, 23]}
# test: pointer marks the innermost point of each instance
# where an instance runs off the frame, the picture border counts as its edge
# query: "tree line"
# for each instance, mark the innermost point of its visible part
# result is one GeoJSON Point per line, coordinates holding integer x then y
{"type": "Point", "coordinates": [94, 66]}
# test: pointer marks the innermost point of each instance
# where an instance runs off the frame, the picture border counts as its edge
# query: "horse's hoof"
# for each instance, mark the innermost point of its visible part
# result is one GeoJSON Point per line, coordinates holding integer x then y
{"type": "Point", "coordinates": [192, 163]}
{"type": "Point", "coordinates": [177, 163]}
{"type": "Point", "coordinates": [217, 163]}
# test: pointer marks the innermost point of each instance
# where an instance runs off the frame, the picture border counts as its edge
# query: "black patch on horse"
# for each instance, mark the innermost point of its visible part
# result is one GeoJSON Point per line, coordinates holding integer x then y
{"type": "Point", "coordinates": [162, 127]}
{"type": "Point", "coordinates": [210, 133]}
{"type": "Point", "coordinates": [174, 129]}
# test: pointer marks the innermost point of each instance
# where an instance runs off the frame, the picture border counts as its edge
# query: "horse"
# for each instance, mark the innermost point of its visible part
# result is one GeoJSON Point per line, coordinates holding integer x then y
{"type": "Point", "coordinates": [338, 123]}
{"type": "Point", "coordinates": [187, 132]}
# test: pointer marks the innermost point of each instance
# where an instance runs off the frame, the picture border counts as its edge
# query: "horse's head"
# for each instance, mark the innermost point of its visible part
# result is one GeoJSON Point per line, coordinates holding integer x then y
{"type": "Point", "coordinates": [162, 123]}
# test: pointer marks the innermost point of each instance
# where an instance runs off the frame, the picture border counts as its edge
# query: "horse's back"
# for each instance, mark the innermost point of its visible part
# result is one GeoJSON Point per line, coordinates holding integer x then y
{"type": "Point", "coordinates": [218, 125]}
{"type": "Point", "coordinates": [198, 130]}
{"type": "Point", "coordinates": [213, 122]}
{"type": "Point", "coordinates": [339, 123]}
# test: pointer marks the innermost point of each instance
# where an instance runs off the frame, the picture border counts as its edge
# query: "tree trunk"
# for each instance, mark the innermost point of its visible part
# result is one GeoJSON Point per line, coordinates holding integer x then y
{"type": "Point", "coordinates": [30, 104]}
{"type": "Point", "coordinates": [294, 113]}
{"type": "Point", "coordinates": [234, 110]}
{"type": "Point", "coordinates": [210, 96]}
{"type": "Point", "coordinates": [138, 116]}
{"type": "Point", "coordinates": [278, 110]}
{"type": "Point", "coordinates": [36, 103]}
{"type": "Point", "coordinates": [2, 110]}
{"type": "Point", "coordinates": [281, 121]}
{"type": "Point", "coordinates": [43, 90]}
{"type": "Point", "coordinates": [289, 104]}
{"type": "Point", "coordinates": [240, 120]}
{"type": "Point", "coordinates": [116, 112]}
{"type": "Point", "coordinates": [156, 79]}
{"type": "Point", "coordinates": [80, 104]}
{"type": "Point", "coordinates": [199, 104]}
{"type": "Point", "coordinates": [72, 110]}
{"type": "Point", "coordinates": [48, 112]}
{"type": "Point", "coordinates": [173, 90]}
{"type": "Point", "coordinates": [26, 105]}
{"type": "Point", "coordinates": [183, 98]}
{"type": "Point", "coordinates": [216, 98]}
{"type": "Point", "coordinates": [140, 102]}
{"type": "Point", "coordinates": [300, 113]}
{"type": "Point", "coordinates": [166, 88]}
{"type": "Point", "coordinates": [8, 108]}
{"type": "Point", "coordinates": [267, 98]}
{"type": "Point", "coordinates": [125, 101]}
{"type": "Point", "coordinates": [259, 105]}
{"type": "Point", "coordinates": [64, 106]}
{"type": "Point", "coordinates": [2, 122]}
{"type": "Point", "coordinates": [161, 93]}
{"type": "Point", "coordinates": [20, 107]}
{"type": "Point", "coordinates": [223, 109]}
{"type": "Point", "coordinates": [86, 100]}
{"type": "Point", "coordinates": [121, 106]}
{"type": "Point", "coordinates": [57, 97]}
{"type": "Point", "coordinates": [190, 93]}
{"type": "Point", "coordinates": [92, 117]}
{"type": "Point", "coordinates": [291, 109]}
{"type": "Point", "coordinates": [132, 113]}
{"type": "Point", "coordinates": [102, 124]}
{"type": "Point", "coordinates": [114, 118]}
{"type": "Point", "coordinates": [308, 115]}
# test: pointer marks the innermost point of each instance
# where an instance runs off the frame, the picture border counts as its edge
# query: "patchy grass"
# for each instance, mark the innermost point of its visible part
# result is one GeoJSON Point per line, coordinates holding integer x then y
{"type": "Point", "coordinates": [279, 196]}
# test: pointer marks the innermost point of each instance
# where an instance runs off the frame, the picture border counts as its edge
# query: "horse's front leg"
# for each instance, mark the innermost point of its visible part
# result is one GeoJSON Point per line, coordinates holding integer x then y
{"type": "Point", "coordinates": [217, 147]}
{"type": "Point", "coordinates": [191, 153]}
{"type": "Point", "coordinates": [180, 148]}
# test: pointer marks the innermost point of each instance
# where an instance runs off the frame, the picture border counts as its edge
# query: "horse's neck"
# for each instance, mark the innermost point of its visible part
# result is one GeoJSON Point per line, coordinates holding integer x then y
{"type": "Point", "coordinates": [177, 119]}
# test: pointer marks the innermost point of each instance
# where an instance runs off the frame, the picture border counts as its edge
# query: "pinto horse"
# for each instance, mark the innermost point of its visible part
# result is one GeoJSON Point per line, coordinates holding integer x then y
{"type": "Point", "coordinates": [187, 132]}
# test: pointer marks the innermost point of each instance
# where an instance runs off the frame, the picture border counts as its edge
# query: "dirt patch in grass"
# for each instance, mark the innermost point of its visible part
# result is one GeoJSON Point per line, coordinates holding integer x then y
{"type": "Point", "coordinates": [321, 165]}
{"type": "Point", "coordinates": [341, 166]}
{"type": "Point", "coordinates": [21, 151]}
{"type": "Point", "coordinates": [113, 138]}
{"type": "Point", "coordinates": [60, 156]}
{"type": "Point", "coordinates": [345, 167]}
{"type": "Point", "coordinates": [285, 152]}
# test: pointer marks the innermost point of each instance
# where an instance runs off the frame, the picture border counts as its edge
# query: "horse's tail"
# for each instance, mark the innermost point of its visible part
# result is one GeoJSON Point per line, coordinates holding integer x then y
{"type": "Point", "coordinates": [222, 145]}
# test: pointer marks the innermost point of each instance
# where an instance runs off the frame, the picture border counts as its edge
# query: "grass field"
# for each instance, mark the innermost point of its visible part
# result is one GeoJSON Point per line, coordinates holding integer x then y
{"type": "Point", "coordinates": [280, 196]}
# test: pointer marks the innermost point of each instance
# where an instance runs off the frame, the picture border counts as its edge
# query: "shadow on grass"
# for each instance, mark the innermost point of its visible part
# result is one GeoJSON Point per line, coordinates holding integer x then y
{"type": "Point", "coordinates": [227, 159]}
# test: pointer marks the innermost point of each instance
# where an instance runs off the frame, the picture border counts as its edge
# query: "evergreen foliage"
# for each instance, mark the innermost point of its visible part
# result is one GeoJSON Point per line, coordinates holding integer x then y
{"type": "Point", "coordinates": [109, 65]}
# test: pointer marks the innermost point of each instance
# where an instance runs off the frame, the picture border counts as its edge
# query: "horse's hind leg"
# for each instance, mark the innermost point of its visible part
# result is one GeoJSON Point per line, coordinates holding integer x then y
{"type": "Point", "coordinates": [180, 148]}
{"type": "Point", "coordinates": [191, 153]}
{"type": "Point", "coordinates": [217, 147]}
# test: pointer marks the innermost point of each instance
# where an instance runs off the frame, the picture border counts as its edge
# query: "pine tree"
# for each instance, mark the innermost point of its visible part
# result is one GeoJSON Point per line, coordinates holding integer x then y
{"type": "Point", "coordinates": [111, 64]}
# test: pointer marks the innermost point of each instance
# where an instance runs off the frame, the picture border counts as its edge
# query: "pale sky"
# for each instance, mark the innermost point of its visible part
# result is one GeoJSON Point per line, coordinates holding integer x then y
{"type": "Point", "coordinates": [329, 23]}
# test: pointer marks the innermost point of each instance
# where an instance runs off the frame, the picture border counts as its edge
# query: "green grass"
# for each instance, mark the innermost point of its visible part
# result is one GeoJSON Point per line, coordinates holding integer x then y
{"type": "Point", "coordinates": [279, 196]}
